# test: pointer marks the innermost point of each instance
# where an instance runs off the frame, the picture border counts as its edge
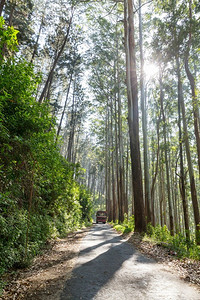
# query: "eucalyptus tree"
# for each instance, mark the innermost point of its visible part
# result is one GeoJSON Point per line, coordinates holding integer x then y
{"type": "Point", "coordinates": [58, 54]}
{"type": "Point", "coordinates": [144, 119]}
{"type": "Point", "coordinates": [132, 92]}
{"type": "Point", "coordinates": [107, 87]}
{"type": "Point", "coordinates": [174, 45]}
{"type": "Point", "coordinates": [193, 26]}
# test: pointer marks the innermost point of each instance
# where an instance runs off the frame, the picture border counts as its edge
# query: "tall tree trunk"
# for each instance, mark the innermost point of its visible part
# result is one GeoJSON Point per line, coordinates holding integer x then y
{"type": "Point", "coordinates": [182, 173]}
{"type": "Point", "coordinates": [155, 175]}
{"type": "Point", "coordinates": [193, 88]}
{"type": "Point", "coordinates": [171, 220]}
{"type": "Point", "coordinates": [127, 174]}
{"type": "Point", "coordinates": [63, 112]}
{"type": "Point", "coordinates": [133, 120]}
{"type": "Point", "coordinates": [2, 3]}
{"type": "Point", "coordinates": [144, 125]}
{"type": "Point", "coordinates": [114, 217]}
{"type": "Point", "coordinates": [118, 198]}
{"type": "Point", "coordinates": [124, 209]}
{"type": "Point", "coordinates": [13, 5]}
{"type": "Point", "coordinates": [42, 96]}
{"type": "Point", "coordinates": [108, 156]}
{"type": "Point", "coordinates": [190, 168]}
{"type": "Point", "coordinates": [72, 127]}
{"type": "Point", "coordinates": [75, 154]}
{"type": "Point", "coordinates": [162, 192]}
{"type": "Point", "coordinates": [38, 37]}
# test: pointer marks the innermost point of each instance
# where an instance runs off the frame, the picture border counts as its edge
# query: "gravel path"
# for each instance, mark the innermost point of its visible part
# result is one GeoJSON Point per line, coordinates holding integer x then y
{"type": "Point", "coordinates": [109, 268]}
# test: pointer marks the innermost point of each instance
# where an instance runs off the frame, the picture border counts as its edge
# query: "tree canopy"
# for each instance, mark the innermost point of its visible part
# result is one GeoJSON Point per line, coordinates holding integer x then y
{"type": "Point", "coordinates": [99, 110]}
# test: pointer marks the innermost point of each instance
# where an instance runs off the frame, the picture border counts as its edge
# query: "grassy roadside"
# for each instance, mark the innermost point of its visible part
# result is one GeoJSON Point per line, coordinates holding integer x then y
{"type": "Point", "coordinates": [177, 245]}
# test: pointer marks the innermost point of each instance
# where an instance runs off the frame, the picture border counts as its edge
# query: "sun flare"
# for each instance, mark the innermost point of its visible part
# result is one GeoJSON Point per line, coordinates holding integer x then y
{"type": "Point", "coordinates": [150, 70]}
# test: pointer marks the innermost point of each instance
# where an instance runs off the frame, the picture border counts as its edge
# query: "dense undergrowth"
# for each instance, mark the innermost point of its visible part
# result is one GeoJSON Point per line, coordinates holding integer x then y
{"type": "Point", "coordinates": [127, 226]}
{"type": "Point", "coordinates": [178, 243]}
{"type": "Point", "coordinates": [161, 236]}
{"type": "Point", "coordinates": [39, 194]}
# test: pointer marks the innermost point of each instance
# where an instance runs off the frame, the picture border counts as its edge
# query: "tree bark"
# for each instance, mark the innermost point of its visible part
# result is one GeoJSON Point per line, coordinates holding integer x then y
{"type": "Point", "coordinates": [190, 169]}
{"type": "Point", "coordinates": [193, 88]}
{"type": "Point", "coordinates": [42, 96]}
{"type": "Point", "coordinates": [133, 119]}
{"type": "Point", "coordinates": [2, 3]}
{"type": "Point", "coordinates": [182, 173]}
{"type": "Point", "coordinates": [13, 5]}
{"type": "Point", "coordinates": [113, 168]}
{"type": "Point", "coordinates": [63, 112]}
{"type": "Point", "coordinates": [144, 125]}
{"type": "Point", "coordinates": [37, 39]}
{"type": "Point", "coordinates": [124, 209]}
{"type": "Point", "coordinates": [171, 220]}
{"type": "Point", "coordinates": [155, 175]}
{"type": "Point", "coordinates": [72, 127]}
{"type": "Point", "coordinates": [118, 199]}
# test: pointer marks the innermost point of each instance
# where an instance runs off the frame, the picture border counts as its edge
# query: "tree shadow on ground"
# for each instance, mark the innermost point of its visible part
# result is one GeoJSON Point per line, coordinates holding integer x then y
{"type": "Point", "coordinates": [96, 269]}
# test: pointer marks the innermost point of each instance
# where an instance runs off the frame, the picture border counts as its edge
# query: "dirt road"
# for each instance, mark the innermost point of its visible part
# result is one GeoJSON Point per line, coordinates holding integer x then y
{"type": "Point", "coordinates": [110, 268]}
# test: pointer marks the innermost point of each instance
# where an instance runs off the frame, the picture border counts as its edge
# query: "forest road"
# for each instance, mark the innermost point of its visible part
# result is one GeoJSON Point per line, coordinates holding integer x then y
{"type": "Point", "coordinates": [110, 268]}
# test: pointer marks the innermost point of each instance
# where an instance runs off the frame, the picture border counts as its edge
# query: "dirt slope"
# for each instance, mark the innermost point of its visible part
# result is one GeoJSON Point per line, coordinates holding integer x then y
{"type": "Point", "coordinates": [46, 278]}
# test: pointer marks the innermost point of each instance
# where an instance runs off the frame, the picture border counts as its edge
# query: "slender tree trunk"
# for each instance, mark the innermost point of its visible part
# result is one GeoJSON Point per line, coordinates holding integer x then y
{"type": "Point", "coordinates": [72, 127]}
{"type": "Point", "coordinates": [113, 168]}
{"type": "Point", "coordinates": [193, 88]}
{"type": "Point", "coordinates": [164, 205]}
{"type": "Point", "coordinates": [118, 199]}
{"type": "Point", "coordinates": [63, 112]}
{"type": "Point", "coordinates": [127, 175]}
{"type": "Point", "coordinates": [171, 220]}
{"type": "Point", "coordinates": [107, 162]}
{"type": "Point", "coordinates": [37, 39]}
{"type": "Point", "coordinates": [88, 175]}
{"type": "Point", "coordinates": [49, 87]}
{"type": "Point", "coordinates": [75, 154]}
{"type": "Point", "coordinates": [144, 125]}
{"type": "Point", "coordinates": [182, 173]}
{"type": "Point", "coordinates": [109, 198]}
{"type": "Point", "coordinates": [155, 175]}
{"type": "Point", "coordinates": [2, 3]}
{"type": "Point", "coordinates": [133, 119]}
{"type": "Point", "coordinates": [124, 209]}
{"type": "Point", "coordinates": [190, 168]}
{"type": "Point", "coordinates": [162, 193]}
{"type": "Point", "coordinates": [13, 5]}
{"type": "Point", "coordinates": [42, 96]}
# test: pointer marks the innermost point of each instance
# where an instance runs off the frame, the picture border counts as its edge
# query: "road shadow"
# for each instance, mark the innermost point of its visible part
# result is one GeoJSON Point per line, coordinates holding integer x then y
{"type": "Point", "coordinates": [93, 273]}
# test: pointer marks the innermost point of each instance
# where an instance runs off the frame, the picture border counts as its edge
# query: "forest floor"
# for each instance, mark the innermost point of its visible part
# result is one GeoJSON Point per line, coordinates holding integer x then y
{"type": "Point", "coordinates": [48, 273]}
{"type": "Point", "coordinates": [46, 277]}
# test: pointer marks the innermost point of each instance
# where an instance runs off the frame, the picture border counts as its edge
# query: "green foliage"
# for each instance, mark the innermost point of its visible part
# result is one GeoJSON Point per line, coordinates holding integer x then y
{"type": "Point", "coordinates": [86, 204]}
{"type": "Point", "coordinates": [8, 38]}
{"type": "Point", "coordinates": [39, 196]}
{"type": "Point", "coordinates": [160, 233]}
{"type": "Point", "coordinates": [178, 243]}
{"type": "Point", "coordinates": [127, 226]}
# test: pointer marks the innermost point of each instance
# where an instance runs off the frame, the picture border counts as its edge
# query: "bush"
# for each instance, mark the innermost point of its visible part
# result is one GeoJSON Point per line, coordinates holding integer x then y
{"type": "Point", "coordinates": [39, 197]}
{"type": "Point", "coordinates": [127, 226]}
{"type": "Point", "coordinates": [177, 243]}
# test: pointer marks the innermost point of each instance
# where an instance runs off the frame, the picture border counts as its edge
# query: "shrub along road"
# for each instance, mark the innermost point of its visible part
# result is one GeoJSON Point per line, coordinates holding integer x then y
{"type": "Point", "coordinates": [110, 268]}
